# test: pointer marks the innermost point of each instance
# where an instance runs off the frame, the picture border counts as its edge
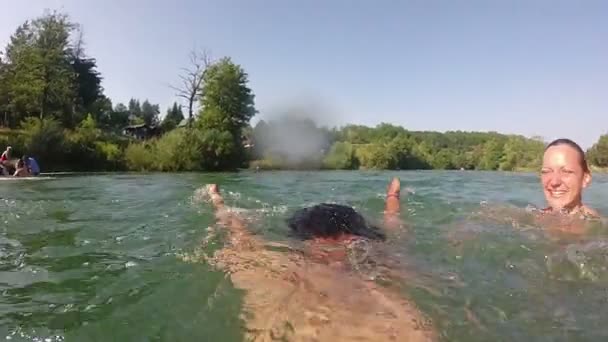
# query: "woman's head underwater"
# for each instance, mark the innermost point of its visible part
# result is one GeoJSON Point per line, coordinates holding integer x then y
{"type": "Point", "coordinates": [331, 221]}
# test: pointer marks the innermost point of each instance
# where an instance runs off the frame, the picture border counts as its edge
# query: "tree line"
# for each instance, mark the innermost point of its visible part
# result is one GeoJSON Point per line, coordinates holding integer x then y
{"type": "Point", "coordinates": [53, 106]}
{"type": "Point", "coordinates": [286, 143]}
{"type": "Point", "coordinates": [388, 146]}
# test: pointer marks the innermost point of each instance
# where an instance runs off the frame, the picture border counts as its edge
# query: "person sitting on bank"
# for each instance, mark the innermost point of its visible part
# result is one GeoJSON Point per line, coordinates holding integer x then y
{"type": "Point", "coordinates": [6, 156]}
{"type": "Point", "coordinates": [22, 170]}
{"type": "Point", "coordinates": [31, 165]}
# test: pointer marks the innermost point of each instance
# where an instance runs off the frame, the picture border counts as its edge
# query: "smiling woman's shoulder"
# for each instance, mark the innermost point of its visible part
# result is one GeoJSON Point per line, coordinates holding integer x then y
{"type": "Point", "coordinates": [591, 212]}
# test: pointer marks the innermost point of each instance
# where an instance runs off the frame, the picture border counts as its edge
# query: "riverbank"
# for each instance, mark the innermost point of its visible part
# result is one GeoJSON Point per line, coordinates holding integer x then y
{"type": "Point", "coordinates": [90, 149]}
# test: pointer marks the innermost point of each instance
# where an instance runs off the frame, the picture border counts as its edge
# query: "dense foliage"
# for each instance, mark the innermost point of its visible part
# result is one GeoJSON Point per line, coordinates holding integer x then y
{"type": "Point", "coordinates": [299, 143]}
{"type": "Point", "coordinates": [598, 153]}
{"type": "Point", "coordinates": [53, 107]}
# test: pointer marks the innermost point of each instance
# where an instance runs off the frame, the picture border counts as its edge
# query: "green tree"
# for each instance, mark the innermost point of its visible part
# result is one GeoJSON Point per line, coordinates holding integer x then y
{"type": "Point", "coordinates": [402, 146]}
{"type": "Point", "coordinates": [341, 156]}
{"type": "Point", "coordinates": [521, 153]}
{"type": "Point", "coordinates": [22, 76]}
{"type": "Point", "coordinates": [134, 109]}
{"type": "Point", "coordinates": [149, 113]}
{"type": "Point", "coordinates": [4, 113]}
{"type": "Point", "coordinates": [117, 118]}
{"type": "Point", "coordinates": [102, 110]}
{"type": "Point", "coordinates": [39, 79]}
{"type": "Point", "coordinates": [216, 146]}
{"type": "Point", "coordinates": [52, 33]}
{"type": "Point", "coordinates": [356, 134]}
{"type": "Point", "coordinates": [492, 154]}
{"type": "Point", "coordinates": [376, 156]}
{"type": "Point", "coordinates": [89, 93]}
{"type": "Point", "coordinates": [226, 93]}
{"type": "Point", "coordinates": [227, 107]}
{"type": "Point", "coordinates": [173, 117]}
{"type": "Point", "coordinates": [598, 153]}
{"type": "Point", "coordinates": [44, 139]}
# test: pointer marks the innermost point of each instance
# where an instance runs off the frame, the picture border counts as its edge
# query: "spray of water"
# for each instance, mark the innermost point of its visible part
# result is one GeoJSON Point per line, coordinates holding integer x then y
{"type": "Point", "coordinates": [296, 135]}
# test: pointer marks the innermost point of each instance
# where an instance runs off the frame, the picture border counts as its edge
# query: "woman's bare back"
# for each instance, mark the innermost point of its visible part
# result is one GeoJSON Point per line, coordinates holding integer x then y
{"type": "Point", "coordinates": [290, 297]}
{"type": "Point", "coordinates": [287, 296]}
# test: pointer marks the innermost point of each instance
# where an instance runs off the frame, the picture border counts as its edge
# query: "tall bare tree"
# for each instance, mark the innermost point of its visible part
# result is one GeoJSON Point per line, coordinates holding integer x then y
{"type": "Point", "coordinates": [192, 79]}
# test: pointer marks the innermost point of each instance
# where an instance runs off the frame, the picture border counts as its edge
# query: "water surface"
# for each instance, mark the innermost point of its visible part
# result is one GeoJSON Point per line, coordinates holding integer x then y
{"type": "Point", "coordinates": [97, 258]}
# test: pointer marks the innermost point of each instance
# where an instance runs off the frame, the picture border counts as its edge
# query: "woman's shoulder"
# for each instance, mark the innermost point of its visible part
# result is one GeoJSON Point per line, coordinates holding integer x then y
{"type": "Point", "coordinates": [586, 211]}
{"type": "Point", "coordinates": [590, 212]}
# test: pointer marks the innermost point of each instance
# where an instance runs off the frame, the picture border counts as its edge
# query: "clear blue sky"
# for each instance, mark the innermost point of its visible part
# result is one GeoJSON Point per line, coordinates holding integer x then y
{"type": "Point", "coordinates": [526, 67]}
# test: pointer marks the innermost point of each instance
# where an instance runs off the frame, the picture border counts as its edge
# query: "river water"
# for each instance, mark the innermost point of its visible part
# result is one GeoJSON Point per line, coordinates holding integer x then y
{"type": "Point", "coordinates": [97, 257]}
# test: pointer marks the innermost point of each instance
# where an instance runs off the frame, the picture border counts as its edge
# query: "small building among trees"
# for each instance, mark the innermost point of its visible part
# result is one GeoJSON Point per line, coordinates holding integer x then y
{"type": "Point", "coordinates": [141, 131]}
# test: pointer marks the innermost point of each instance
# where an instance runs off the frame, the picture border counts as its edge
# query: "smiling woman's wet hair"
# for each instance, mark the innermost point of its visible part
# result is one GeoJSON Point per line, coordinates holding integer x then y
{"type": "Point", "coordinates": [331, 220]}
{"type": "Point", "coordinates": [575, 146]}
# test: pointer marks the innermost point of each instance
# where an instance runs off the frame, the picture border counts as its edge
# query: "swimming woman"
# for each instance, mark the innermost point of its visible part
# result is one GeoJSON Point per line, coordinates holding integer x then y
{"type": "Point", "coordinates": [564, 175]}
{"type": "Point", "coordinates": [312, 295]}
{"type": "Point", "coordinates": [21, 169]}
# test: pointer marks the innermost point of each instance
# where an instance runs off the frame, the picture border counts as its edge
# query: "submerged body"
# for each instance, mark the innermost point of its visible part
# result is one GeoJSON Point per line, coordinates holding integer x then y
{"type": "Point", "coordinates": [21, 169]}
{"type": "Point", "coordinates": [564, 176]}
{"type": "Point", "coordinates": [313, 295]}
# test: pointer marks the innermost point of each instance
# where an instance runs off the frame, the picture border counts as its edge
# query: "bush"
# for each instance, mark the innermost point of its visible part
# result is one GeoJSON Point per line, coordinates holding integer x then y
{"type": "Point", "coordinates": [219, 150]}
{"type": "Point", "coordinates": [341, 156]}
{"type": "Point", "coordinates": [14, 139]}
{"type": "Point", "coordinates": [376, 156]}
{"type": "Point", "coordinates": [45, 140]}
{"type": "Point", "coordinates": [111, 154]}
{"type": "Point", "coordinates": [178, 150]}
{"type": "Point", "coordinates": [140, 156]}
{"type": "Point", "coordinates": [598, 153]}
{"type": "Point", "coordinates": [88, 149]}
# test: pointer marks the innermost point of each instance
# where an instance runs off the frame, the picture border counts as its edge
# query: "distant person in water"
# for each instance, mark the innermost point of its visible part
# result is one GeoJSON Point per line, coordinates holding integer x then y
{"type": "Point", "coordinates": [21, 169]}
{"type": "Point", "coordinates": [311, 295]}
{"type": "Point", "coordinates": [564, 175]}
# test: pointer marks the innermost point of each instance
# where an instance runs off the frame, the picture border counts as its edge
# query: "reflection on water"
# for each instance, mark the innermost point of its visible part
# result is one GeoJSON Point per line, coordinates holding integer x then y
{"type": "Point", "coordinates": [99, 257]}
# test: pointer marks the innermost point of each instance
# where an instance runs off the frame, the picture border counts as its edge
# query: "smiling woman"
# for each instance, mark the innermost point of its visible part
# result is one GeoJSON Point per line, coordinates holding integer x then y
{"type": "Point", "coordinates": [564, 175]}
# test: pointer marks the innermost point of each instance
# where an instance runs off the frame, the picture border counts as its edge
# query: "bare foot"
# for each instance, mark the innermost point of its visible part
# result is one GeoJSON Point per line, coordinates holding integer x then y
{"type": "Point", "coordinates": [213, 189]}
{"type": "Point", "coordinates": [392, 205]}
{"type": "Point", "coordinates": [394, 188]}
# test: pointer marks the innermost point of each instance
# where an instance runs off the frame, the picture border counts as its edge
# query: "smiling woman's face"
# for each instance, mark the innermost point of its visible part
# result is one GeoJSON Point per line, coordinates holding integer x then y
{"type": "Point", "coordinates": [563, 177]}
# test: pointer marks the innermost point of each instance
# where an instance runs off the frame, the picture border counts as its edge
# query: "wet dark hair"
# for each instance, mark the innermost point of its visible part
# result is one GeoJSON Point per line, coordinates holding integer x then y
{"type": "Point", "coordinates": [579, 150]}
{"type": "Point", "coordinates": [331, 220]}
